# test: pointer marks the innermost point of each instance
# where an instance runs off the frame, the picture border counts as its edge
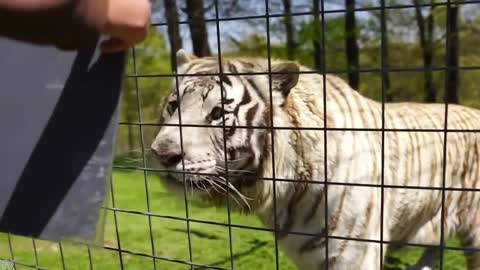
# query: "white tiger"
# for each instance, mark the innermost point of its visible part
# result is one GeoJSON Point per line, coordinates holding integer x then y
{"type": "Point", "coordinates": [352, 157]}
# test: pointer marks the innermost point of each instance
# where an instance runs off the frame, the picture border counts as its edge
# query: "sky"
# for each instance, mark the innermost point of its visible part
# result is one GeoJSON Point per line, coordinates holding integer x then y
{"type": "Point", "coordinates": [241, 28]}
{"type": "Point", "coordinates": [238, 28]}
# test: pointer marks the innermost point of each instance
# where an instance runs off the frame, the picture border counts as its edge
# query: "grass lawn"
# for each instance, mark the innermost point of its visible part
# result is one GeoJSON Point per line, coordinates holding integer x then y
{"type": "Point", "coordinates": [252, 249]}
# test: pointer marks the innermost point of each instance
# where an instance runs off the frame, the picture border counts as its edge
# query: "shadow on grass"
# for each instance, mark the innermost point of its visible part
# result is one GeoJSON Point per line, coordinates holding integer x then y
{"type": "Point", "coordinates": [257, 244]}
{"type": "Point", "coordinates": [394, 263]}
{"type": "Point", "coordinates": [197, 233]}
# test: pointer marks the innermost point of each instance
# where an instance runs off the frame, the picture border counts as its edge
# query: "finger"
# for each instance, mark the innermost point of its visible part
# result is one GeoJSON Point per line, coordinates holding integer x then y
{"type": "Point", "coordinates": [128, 20]}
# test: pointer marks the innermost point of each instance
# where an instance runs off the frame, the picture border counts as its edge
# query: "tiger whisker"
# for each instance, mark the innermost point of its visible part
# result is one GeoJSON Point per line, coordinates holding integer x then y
{"type": "Point", "coordinates": [191, 187]}
{"type": "Point", "coordinates": [224, 179]}
{"type": "Point", "coordinates": [243, 197]}
{"type": "Point", "coordinates": [215, 184]}
{"type": "Point", "coordinates": [205, 188]}
{"type": "Point", "coordinates": [196, 185]}
{"type": "Point", "coordinates": [233, 197]}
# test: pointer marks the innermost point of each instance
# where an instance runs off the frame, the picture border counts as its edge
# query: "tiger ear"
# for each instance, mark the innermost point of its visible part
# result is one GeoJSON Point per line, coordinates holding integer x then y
{"type": "Point", "coordinates": [183, 57]}
{"type": "Point", "coordinates": [284, 77]}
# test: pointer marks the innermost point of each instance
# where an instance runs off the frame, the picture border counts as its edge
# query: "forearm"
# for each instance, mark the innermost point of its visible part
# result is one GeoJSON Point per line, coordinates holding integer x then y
{"type": "Point", "coordinates": [19, 5]}
{"type": "Point", "coordinates": [64, 23]}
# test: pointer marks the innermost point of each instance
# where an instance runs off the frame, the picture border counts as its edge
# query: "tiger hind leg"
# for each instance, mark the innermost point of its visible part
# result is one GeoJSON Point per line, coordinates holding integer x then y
{"type": "Point", "coordinates": [469, 235]}
{"type": "Point", "coordinates": [472, 240]}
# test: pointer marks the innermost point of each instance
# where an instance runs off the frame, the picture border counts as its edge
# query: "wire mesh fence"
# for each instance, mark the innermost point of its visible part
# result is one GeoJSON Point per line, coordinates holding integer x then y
{"type": "Point", "coordinates": [136, 220]}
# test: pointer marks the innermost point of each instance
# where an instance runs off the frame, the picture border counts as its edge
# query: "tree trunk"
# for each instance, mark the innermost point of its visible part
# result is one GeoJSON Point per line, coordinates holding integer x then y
{"type": "Point", "coordinates": [386, 61]}
{"type": "Point", "coordinates": [426, 44]}
{"type": "Point", "coordinates": [317, 47]}
{"type": "Point", "coordinates": [287, 6]}
{"type": "Point", "coordinates": [428, 59]}
{"type": "Point", "coordinates": [386, 65]}
{"type": "Point", "coordinates": [174, 37]}
{"type": "Point", "coordinates": [198, 28]}
{"type": "Point", "coordinates": [351, 44]}
{"type": "Point", "coordinates": [451, 85]}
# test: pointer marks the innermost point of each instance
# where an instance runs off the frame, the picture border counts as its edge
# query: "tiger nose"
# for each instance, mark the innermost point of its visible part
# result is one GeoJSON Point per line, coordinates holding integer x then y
{"type": "Point", "coordinates": [168, 158]}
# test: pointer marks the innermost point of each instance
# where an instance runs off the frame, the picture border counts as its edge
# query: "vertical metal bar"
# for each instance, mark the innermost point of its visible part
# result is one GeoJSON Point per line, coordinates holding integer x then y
{"type": "Point", "coordinates": [324, 78]}
{"type": "Point", "coordinates": [90, 257]}
{"type": "Point", "coordinates": [61, 255]}
{"type": "Point", "coordinates": [444, 165]}
{"type": "Point", "coordinates": [120, 257]}
{"type": "Point", "coordinates": [142, 143]}
{"type": "Point", "coordinates": [10, 247]}
{"type": "Point", "coordinates": [272, 131]}
{"type": "Point", "coordinates": [382, 164]}
{"type": "Point", "coordinates": [187, 216]}
{"type": "Point", "coordinates": [220, 66]}
{"type": "Point", "coordinates": [35, 253]}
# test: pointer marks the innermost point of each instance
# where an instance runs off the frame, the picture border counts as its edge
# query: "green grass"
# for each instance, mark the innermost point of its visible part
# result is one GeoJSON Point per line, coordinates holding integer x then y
{"type": "Point", "coordinates": [252, 249]}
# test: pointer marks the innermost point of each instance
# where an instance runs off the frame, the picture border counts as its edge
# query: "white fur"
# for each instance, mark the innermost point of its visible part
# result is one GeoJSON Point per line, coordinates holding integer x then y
{"type": "Point", "coordinates": [354, 157]}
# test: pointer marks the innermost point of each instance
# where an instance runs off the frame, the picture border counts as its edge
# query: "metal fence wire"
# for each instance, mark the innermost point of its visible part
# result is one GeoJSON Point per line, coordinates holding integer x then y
{"type": "Point", "coordinates": [120, 247]}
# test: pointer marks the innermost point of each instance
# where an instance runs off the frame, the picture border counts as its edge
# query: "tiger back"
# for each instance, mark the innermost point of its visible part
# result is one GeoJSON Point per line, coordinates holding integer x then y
{"type": "Point", "coordinates": [312, 170]}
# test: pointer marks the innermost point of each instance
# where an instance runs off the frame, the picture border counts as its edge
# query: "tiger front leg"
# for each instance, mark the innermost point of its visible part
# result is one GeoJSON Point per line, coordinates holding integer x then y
{"type": "Point", "coordinates": [428, 261]}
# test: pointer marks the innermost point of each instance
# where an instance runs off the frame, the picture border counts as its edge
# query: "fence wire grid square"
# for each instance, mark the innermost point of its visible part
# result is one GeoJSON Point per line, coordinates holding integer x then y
{"type": "Point", "coordinates": [120, 247]}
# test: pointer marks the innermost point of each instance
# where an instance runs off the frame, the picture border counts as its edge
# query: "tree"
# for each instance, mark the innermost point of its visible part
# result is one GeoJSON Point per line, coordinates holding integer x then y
{"type": "Point", "coordinates": [386, 61]}
{"type": "Point", "coordinates": [287, 6]}
{"type": "Point", "coordinates": [351, 45]}
{"type": "Point", "coordinates": [198, 27]}
{"type": "Point", "coordinates": [425, 32]}
{"type": "Point", "coordinates": [452, 79]}
{"type": "Point", "coordinates": [174, 37]}
{"type": "Point", "coordinates": [150, 91]}
{"type": "Point", "coordinates": [317, 47]}
{"type": "Point", "coordinates": [379, 24]}
{"type": "Point", "coordinates": [251, 45]}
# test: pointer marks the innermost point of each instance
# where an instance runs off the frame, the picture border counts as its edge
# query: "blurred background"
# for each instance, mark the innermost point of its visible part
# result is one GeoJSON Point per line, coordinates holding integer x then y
{"type": "Point", "coordinates": [414, 52]}
{"type": "Point", "coordinates": [147, 227]}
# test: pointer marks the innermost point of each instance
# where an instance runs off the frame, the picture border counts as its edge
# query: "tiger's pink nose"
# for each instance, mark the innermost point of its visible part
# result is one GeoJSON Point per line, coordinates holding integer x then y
{"type": "Point", "coordinates": [168, 158]}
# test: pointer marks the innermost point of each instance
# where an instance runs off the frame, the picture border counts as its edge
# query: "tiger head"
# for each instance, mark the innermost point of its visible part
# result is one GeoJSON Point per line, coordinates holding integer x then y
{"type": "Point", "coordinates": [205, 150]}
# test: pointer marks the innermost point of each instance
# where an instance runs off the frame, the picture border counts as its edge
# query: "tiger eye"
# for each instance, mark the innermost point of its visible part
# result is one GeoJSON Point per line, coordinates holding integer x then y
{"type": "Point", "coordinates": [172, 106]}
{"type": "Point", "coordinates": [216, 113]}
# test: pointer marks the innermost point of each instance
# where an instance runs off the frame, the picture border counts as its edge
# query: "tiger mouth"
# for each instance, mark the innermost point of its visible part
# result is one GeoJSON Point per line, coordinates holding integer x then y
{"type": "Point", "coordinates": [194, 182]}
{"type": "Point", "coordinates": [211, 188]}
{"type": "Point", "coordinates": [217, 183]}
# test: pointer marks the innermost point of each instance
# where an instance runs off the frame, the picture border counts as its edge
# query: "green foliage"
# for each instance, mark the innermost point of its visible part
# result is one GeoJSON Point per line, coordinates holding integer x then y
{"type": "Point", "coordinates": [252, 249]}
{"type": "Point", "coordinates": [404, 53]}
{"type": "Point", "coordinates": [401, 259]}
{"type": "Point", "coordinates": [151, 58]}
{"type": "Point", "coordinates": [252, 45]}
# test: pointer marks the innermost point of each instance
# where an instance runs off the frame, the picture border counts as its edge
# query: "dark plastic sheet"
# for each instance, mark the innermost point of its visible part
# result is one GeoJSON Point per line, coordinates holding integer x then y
{"type": "Point", "coordinates": [58, 119]}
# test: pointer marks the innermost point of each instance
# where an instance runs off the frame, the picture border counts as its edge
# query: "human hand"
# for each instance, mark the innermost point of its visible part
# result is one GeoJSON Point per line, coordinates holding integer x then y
{"type": "Point", "coordinates": [76, 24]}
{"type": "Point", "coordinates": [126, 24]}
